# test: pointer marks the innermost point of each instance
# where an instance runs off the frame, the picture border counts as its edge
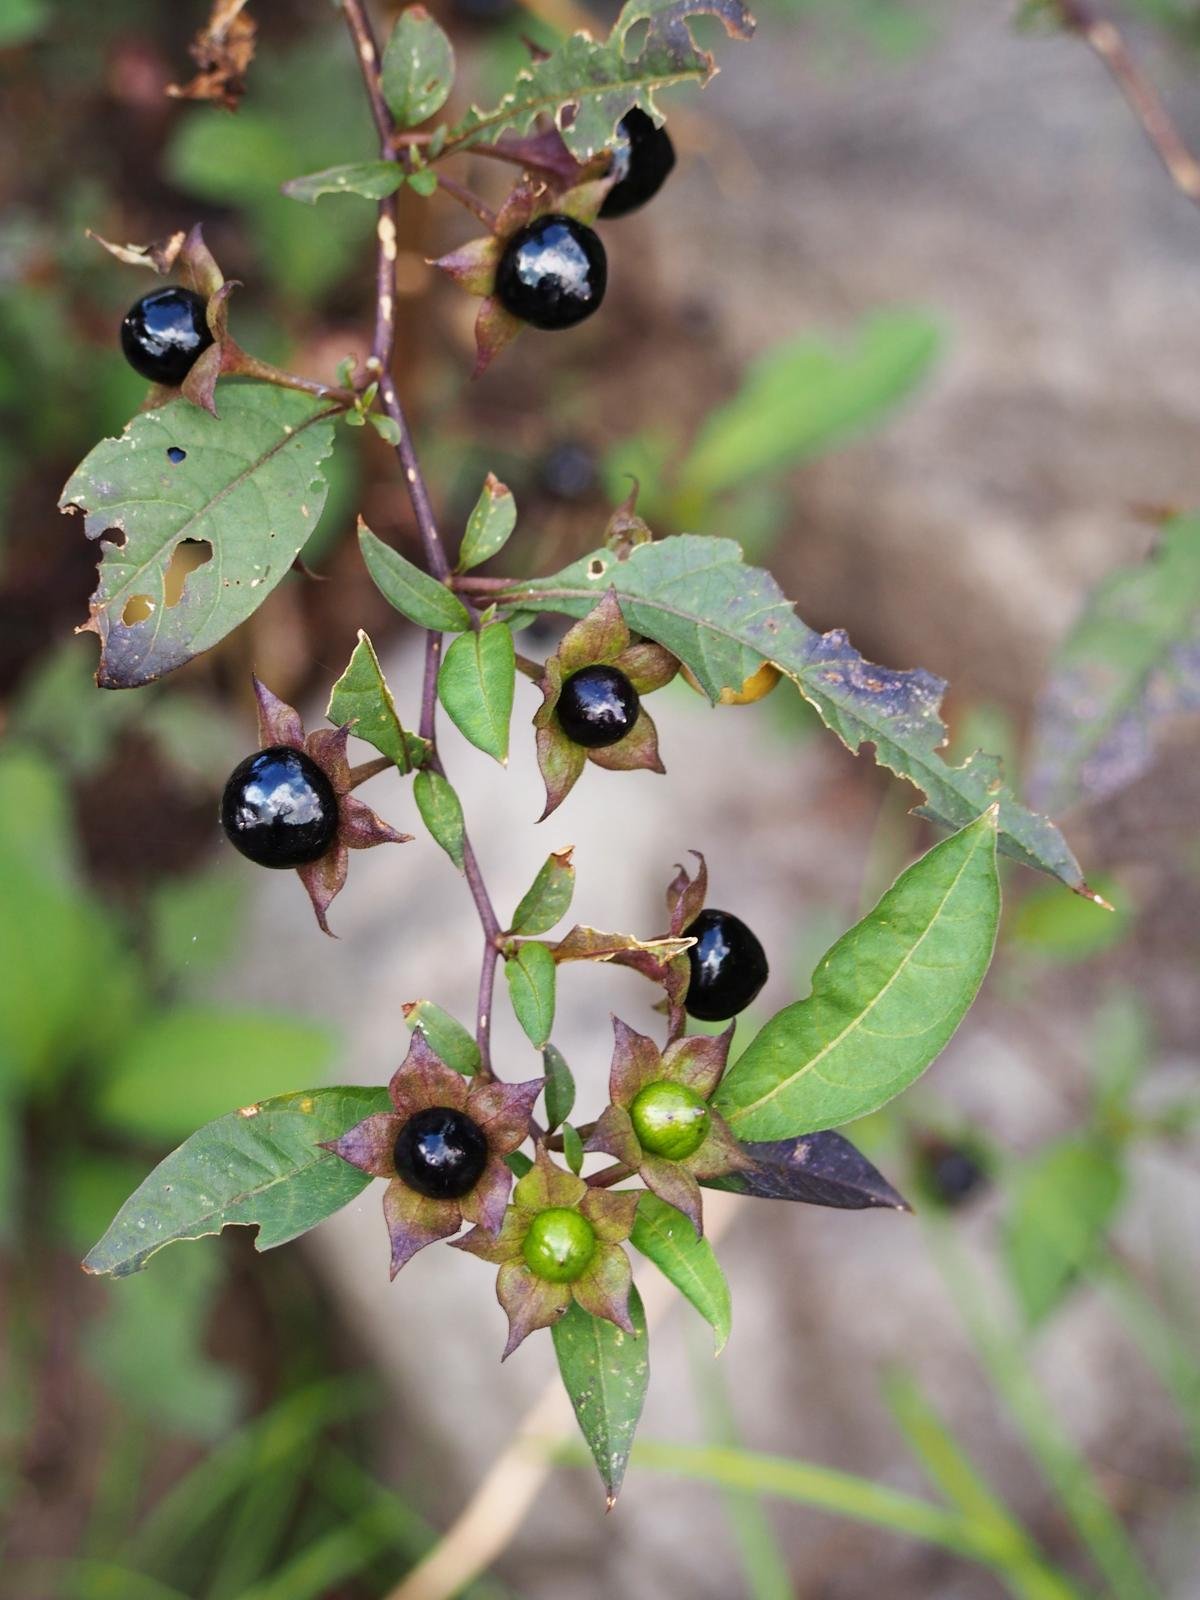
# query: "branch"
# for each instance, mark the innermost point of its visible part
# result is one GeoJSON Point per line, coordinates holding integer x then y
{"type": "Point", "coordinates": [1102, 37]}
{"type": "Point", "coordinates": [383, 349]}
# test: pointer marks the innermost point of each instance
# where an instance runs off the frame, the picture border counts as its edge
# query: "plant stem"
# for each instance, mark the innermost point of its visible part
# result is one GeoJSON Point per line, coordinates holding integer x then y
{"type": "Point", "coordinates": [1143, 99]}
{"type": "Point", "coordinates": [370, 769]}
{"type": "Point", "coordinates": [472, 202]}
{"type": "Point", "coordinates": [605, 1178]}
{"type": "Point", "coordinates": [383, 347]}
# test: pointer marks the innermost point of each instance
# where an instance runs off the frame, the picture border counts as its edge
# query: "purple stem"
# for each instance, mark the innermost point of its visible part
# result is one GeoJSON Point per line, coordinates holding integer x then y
{"type": "Point", "coordinates": [383, 347]}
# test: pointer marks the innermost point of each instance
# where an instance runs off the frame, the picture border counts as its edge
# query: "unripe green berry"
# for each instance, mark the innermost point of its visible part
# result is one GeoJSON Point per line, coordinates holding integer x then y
{"type": "Point", "coordinates": [670, 1120]}
{"type": "Point", "coordinates": [559, 1245]}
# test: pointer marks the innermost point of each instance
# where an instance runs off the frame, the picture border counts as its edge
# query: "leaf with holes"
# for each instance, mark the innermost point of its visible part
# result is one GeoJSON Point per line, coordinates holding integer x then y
{"type": "Point", "coordinates": [361, 696]}
{"type": "Point", "coordinates": [475, 684]}
{"type": "Point", "coordinates": [489, 526]}
{"type": "Point", "coordinates": [418, 68]}
{"type": "Point", "coordinates": [246, 484]}
{"type": "Point", "coordinates": [605, 1371]}
{"type": "Point", "coordinates": [586, 86]}
{"type": "Point", "coordinates": [666, 1237]}
{"type": "Point", "coordinates": [885, 1000]}
{"type": "Point", "coordinates": [1126, 672]}
{"type": "Point", "coordinates": [530, 974]}
{"type": "Point", "coordinates": [260, 1167]}
{"type": "Point", "coordinates": [723, 619]}
{"type": "Point", "coordinates": [374, 180]}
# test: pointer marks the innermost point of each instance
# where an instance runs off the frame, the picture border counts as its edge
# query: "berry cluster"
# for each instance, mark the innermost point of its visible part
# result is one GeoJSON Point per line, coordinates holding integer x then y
{"type": "Point", "coordinates": [554, 271]}
{"type": "Point", "coordinates": [443, 1147]}
{"type": "Point", "coordinates": [550, 273]}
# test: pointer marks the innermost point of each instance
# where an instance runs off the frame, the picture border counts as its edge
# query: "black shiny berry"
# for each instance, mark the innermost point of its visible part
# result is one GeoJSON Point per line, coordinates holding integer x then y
{"type": "Point", "coordinates": [642, 157]}
{"type": "Point", "coordinates": [164, 333]}
{"type": "Point", "coordinates": [597, 707]}
{"type": "Point", "coordinates": [441, 1153]}
{"type": "Point", "coordinates": [728, 964]}
{"type": "Point", "coordinates": [279, 808]}
{"type": "Point", "coordinates": [552, 273]}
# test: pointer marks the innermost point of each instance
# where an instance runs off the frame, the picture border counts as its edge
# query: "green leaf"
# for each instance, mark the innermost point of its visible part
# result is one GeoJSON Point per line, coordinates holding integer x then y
{"type": "Point", "coordinates": [249, 487]}
{"type": "Point", "coordinates": [374, 180]}
{"type": "Point", "coordinates": [560, 1087]}
{"type": "Point", "coordinates": [489, 525]}
{"type": "Point", "coordinates": [447, 1037]}
{"type": "Point", "coordinates": [442, 812]}
{"type": "Point", "coordinates": [885, 999]}
{"type": "Point", "coordinates": [475, 684]}
{"type": "Point", "coordinates": [805, 396]}
{"type": "Point", "coordinates": [530, 975]}
{"type": "Point", "coordinates": [361, 696]}
{"type": "Point", "coordinates": [696, 597]}
{"type": "Point", "coordinates": [425, 181]}
{"type": "Point", "coordinates": [414, 593]}
{"type": "Point", "coordinates": [605, 1371]}
{"type": "Point", "coordinates": [418, 68]}
{"type": "Point", "coordinates": [1126, 669]}
{"type": "Point", "coordinates": [548, 898]}
{"type": "Point", "coordinates": [187, 1065]}
{"type": "Point", "coordinates": [1062, 1201]}
{"type": "Point", "coordinates": [260, 1166]}
{"type": "Point", "coordinates": [387, 428]}
{"type": "Point", "coordinates": [572, 1148]}
{"type": "Point", "coordinates": [603, 80]}
{"type": "Point", "coordinates": [669, 1240]}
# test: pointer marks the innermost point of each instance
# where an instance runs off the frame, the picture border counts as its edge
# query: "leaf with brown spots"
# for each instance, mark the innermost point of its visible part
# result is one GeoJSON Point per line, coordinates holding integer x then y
{"type": "Point", "coordinates": [722, 619]}
{"type": "Point", "coordinates": [246, 487]}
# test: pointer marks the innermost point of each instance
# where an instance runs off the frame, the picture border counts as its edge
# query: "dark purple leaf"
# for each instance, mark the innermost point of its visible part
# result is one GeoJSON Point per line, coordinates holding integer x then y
{"type": "Point", "coordinates": [818, 1169]}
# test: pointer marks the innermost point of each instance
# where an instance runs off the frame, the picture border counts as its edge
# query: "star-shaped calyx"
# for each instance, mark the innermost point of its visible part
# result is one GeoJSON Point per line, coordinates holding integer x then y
{"type": "Point", "coordinates": [358, 828]}
{"type": "Point", "coordinates": [185, 256]}
{"type": "Point", "coordinates": [601, 639]}
{"type": "Point", "coordinates": [473, 265]}
{"type": "Point", "coordinates": [560, 1242]}
{"type": "Point", "coordinates": [660, 1123]}
{"type": "Point", "coordinates": [441, 1148]}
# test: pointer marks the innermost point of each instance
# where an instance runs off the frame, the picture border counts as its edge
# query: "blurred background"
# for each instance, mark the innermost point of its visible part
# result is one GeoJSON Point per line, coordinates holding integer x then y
{"type": "Point", "coordinates": [917, 320]}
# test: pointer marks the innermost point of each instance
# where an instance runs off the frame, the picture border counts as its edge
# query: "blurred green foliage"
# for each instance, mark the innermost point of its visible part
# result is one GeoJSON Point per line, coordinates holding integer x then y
{"type": "Point", "coordinates": [802, 399]}
{"type": "Point", "coordinates": [241, 162]}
